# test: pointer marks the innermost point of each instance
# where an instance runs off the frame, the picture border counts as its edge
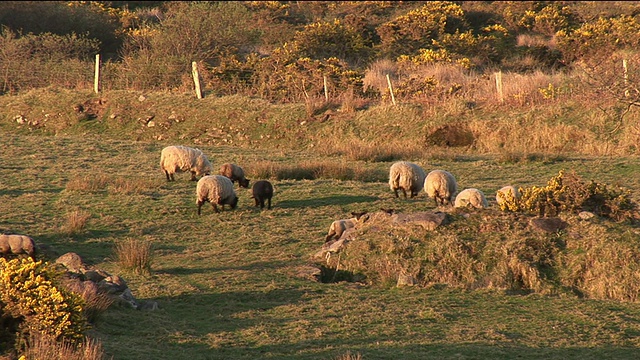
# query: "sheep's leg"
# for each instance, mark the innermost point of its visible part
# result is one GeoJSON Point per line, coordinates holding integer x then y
{"type": "Point", "coordinates": [329, 236]}
{"type": "Point", "coordinates": [200, 206]}
{"type": "Point", "coordinates": [257, 201]}
{"type": "Point", "coordinates": [215, 208]}
{"type": "Point", "coordinates": [404, 192]}
{"type": "Point", "coordinates": [395, 191]}
{"type": "Point", "coordinates": [193, 176]}
{"type": "Point", "coordinates": [167, 174]}
{"type": "Point", "coordinates": [269, 201]}
{"type": "Point", "coordinates": [261, 203]}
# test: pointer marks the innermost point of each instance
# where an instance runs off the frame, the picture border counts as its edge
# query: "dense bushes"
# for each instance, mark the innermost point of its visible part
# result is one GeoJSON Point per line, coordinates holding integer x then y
{"type": "Point", "coordinates": [566, 192]}
{"type": "Point", "coordinates": [283, 51]}
{"type": "Point", "coordinates": [32, 303]}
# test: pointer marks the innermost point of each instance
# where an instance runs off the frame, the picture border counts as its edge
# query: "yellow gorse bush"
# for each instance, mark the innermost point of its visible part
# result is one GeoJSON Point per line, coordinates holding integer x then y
{"type": "Point", "coordinates": [567, 193]}
{"type": "Point", "coordinates": [27, 292]}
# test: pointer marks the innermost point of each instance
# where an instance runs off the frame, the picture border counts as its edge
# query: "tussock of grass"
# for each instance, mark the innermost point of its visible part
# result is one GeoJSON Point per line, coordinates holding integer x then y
{"type": "Point", "coordinates": [76, 222]}
{"type": "Point", "coordinates": [129, 186]}
{"type": "Point", "coordinates": [134, 255]}
{"type": "Point", "coordinates": [88, 183]}
{"type": "Point", "coordinates": [311, 170]}
{"type": "Point", "coordinates": [40, 347]}
{"type": "Point", "coordinates": [349, 356]}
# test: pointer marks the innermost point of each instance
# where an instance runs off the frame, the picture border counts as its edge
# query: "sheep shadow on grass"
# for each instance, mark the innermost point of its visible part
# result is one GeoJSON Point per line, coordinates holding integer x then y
{"type": "Point", "coordinates": [328, 200]}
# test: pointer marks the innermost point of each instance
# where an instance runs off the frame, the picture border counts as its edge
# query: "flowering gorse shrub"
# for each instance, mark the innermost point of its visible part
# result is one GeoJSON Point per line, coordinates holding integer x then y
{"type": "Point", "coordinates": [29, 295]}
{"type": "Point", "coordinates": [567, 193]}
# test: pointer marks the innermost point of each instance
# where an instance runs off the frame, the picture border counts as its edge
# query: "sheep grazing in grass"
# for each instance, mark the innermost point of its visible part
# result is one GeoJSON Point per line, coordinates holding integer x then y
{"type": "Point", "coordinates": [17, 244]}
{"type": "Point", "coordinates": [262, 190]}
{"type": "Point", "coordinates": [234, 173]}
{"type": "Point", "coordinates": [440, 185]}
{"type": "Point", "coordinates": [179, 158]}
{"type": "Point", "coordinates": [406, 176]}
{"type": "Point", "coordinates": [471, 198]}
{"type": "Point", "coordinates": [339, 226]}
{"type": "Point", "coordinates": [217, 190]}
{"type": "Point", "coordinates": [506, 195]}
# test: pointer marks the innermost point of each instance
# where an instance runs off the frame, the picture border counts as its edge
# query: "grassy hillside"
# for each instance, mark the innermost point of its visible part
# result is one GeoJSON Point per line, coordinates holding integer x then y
{"type": "Point", "coordinates": [231, 285]}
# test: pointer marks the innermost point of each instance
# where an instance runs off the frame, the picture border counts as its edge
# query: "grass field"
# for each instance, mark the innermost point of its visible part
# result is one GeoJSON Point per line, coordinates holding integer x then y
{"type": "Point", "coordinates": [233, 286]}
{"type": "Point", "coordinates": [228, 285]}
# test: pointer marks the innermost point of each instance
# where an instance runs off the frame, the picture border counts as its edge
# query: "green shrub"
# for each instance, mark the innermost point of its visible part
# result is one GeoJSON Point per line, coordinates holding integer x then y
{"type": "Point", "coordinates": [599, 38]}
{"type": "Point", "coordinates": [325, 40]}
{"type": "Point", "coordinates": [417, 29]}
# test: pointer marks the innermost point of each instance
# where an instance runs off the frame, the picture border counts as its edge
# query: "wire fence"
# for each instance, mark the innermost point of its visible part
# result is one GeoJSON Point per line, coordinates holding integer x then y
{"type": "Point", "coordinates": [288, 86]}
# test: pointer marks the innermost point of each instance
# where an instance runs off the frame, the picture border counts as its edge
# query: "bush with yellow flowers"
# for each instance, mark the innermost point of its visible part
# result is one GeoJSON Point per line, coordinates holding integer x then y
{"type": "Point", "coordinates": [566, 192]}
{"type": "Point", "coordinates": [31, 303]}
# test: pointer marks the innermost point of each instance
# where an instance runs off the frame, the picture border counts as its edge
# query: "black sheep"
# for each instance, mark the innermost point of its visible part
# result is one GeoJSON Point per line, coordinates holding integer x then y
{"type": "Point", "coordinates": [262, 190]}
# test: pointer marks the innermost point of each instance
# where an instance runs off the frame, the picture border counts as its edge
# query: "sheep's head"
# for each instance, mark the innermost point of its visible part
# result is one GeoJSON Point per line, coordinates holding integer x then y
{"type": "Point", "coordinates": [361, 216]}
{"type": "Point", "coordinates": [388, 211]}
{"type": "Point", "coordinates": [234, 202]}
{"type": "Point", "coordinates": [203, 166]}
{"type": "Point", "coordinates": [244, 183]}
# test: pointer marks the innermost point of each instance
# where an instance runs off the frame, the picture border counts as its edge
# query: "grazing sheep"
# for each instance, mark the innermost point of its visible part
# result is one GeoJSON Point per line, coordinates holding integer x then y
{"type": "Point", "coordinates": [217, 190]}
{"type": "Point", "coordinates": [179, 158]}
{"type": "Point", "coordinates": [17, 244]}
{"type": "Point", "coordinates": [406, 176]}
{"type": "Point", "coordinates": [440, 185]}
{"type": "Point", "coordinates": [262, 190]}
{"type": "Point", "coordinates": [503, 194]}
{"type": "Point", "coordinates": [235, 173]}
{"type": "Point", "coordinates": [339, 226]}
{"type": "Point", "coordinates": [471, 197]}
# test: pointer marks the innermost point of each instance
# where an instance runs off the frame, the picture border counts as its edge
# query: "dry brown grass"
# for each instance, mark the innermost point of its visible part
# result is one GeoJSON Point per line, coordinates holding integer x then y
{"type": "Point", "coordinates": [349, 356]}
{"type": "Point", "coordinates": [89, 183]}
{"type": "Point", "coordinates": [372, 150]}
{"type": "Point", "coordinates": [76, 222]}
{"type": "Point", "coordinates": [130, 186]}
{"type": "Point", "coordinates": [40, 347]}
{"type": "Point", "coordinates": [375, 78]}
{"type": "Point", "coordinates": [534, 40]}
{"type": "Point", "coordinates": [134, 255]}
{"type": "Point", "coordinates": [96, 301]}
{"type": "Point", "coordinates": [310, 170]}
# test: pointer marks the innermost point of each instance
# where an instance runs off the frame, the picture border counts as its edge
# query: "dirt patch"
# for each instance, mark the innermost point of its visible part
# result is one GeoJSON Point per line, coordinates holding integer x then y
{"type": "Point", "coordinates": [450, 135]}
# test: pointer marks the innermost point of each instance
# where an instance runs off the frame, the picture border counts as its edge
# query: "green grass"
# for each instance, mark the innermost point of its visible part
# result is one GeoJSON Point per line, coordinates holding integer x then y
{"type": "Point", "coordinates": [228, 285]}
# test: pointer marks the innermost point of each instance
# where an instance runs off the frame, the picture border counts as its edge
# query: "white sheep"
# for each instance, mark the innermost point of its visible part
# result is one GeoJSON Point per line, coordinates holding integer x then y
{"type": "Point", "coordinates": [217, 190]}
{"type": "Point", "coordinates": [17, 244]}
{"type": "Point", "coordinates": [505, 193]}
{"type": "Point", "coordinates": [179, 158]}
{"type": "Point", "coordinates": [441, 186]}
{"type": "Point", "coordinates": [471, 197]}
{"type": "Point", "coordinates": [406, 176]}
{"type": "Point", "coordinates": [340, 226]}
{"type": "Point", "coordinates": [234, 173]}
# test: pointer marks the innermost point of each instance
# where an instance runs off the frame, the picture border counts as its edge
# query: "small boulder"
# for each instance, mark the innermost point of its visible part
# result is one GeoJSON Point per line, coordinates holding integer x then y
{"type": "Point", "coordinates": [427, 219]}
{"type": "Point", "coordinates": [73, 262]}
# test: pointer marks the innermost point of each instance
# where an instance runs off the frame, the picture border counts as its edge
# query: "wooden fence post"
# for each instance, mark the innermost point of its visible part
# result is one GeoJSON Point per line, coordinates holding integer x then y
{"type": "Point", "coordinates": [96, 78]}
{"type": "Point", "coordinates": [326, 91]}
{"type": "Point", "coordinates": [626, 77]}
{"type": "Point", "coordinates": [393, 98]}
{"type": "Point", "coordinates": [499, 86]}
{"type": "Point", "coordinates": [196, 79]}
